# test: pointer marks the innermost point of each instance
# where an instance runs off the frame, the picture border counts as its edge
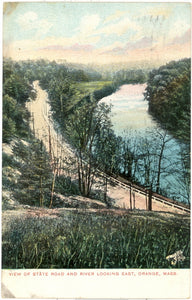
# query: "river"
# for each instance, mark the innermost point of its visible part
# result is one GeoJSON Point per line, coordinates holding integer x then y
{"type": "Point", "coordinates": [131, 121]}
{"type": "Point", "coordinates": [129, 110]}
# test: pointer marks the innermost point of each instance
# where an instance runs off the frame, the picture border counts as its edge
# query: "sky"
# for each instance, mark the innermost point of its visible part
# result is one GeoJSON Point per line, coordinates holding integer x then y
{"type": "Point", "coordinates": [102, 32]}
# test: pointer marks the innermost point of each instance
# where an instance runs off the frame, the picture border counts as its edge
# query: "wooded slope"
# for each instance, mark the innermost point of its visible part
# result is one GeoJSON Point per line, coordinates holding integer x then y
{"type": "Point", "coordinates": [168, 93]}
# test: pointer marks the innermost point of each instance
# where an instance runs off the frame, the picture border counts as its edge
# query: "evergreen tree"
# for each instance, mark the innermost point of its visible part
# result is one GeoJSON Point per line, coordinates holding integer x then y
{"type": "Point", "coordinates": [34, 184]}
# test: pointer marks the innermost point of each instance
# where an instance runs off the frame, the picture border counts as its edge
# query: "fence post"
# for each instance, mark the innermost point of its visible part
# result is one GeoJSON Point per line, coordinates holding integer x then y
{"type": "Point", "coordinates": [150, 199]}
{"type": "Point", "coordinates": [133, 200]}
{"type": "Point", "coordinates": [130, 198]}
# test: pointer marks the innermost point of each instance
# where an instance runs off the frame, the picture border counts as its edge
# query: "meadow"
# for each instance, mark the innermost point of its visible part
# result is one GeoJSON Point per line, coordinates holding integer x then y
{"type": "Point", "coordinates": [83, 239]}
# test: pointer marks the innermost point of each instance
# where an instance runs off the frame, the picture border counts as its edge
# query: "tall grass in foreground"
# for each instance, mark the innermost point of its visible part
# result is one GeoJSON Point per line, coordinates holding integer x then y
{"type": "Point", "coordinates": [95, 241]}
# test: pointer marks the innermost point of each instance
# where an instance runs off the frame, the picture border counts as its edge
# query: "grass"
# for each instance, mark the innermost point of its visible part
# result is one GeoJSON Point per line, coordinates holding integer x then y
{"type": "Point", "coordinates": [95, 240]}
{"type": "Point", "coordinates": [84, 89]}
{"type": "Point", "coordinates": [91, 86]}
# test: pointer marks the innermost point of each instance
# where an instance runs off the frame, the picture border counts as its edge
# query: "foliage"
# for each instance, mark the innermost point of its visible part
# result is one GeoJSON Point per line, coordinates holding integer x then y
{"type": "Point", "coordinates": [9, 129]}
{"type": "Point", "coordinates": [128, 76]}
{"type": "Point", "coordinates": [113, 241]}
{"type": "Point", "coordinates": [65, 186]}
{"type": "Point", "coordinates": [168, 93]}
{"type": "Point", "coordinates": [89, 131]}
{"type": "Point", "coordinates": [9, 161]}
{"type": "Point", "coordinates": [63, 95]}
{"type": "Point", "coordinates": [107, 149]}
{"type": "Point", "coordinates": [34, 183]}
{"type": "Point", "coordinates": [67, 96]}
{"type": "Point", "coordinates": [16, 91]}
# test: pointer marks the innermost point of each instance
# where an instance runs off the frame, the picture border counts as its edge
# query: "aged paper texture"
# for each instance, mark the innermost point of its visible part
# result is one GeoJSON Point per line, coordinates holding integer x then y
{"type": "Point", "coordinates": [96, 150]}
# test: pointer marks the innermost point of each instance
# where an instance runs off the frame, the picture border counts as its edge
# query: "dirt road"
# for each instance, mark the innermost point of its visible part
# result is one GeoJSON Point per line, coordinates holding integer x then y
{"type": "Point", "coordinates": [42, 125]}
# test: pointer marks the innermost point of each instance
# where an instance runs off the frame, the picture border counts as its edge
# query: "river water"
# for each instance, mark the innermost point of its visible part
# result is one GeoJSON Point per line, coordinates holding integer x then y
{"type": "Point", "coordinates": [129, 110]}
{"type": "Point", "coordinates": [131, 121]}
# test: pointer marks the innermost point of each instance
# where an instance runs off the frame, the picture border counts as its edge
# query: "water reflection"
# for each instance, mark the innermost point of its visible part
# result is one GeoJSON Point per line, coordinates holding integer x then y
{"type": "Point", "coordinates": [131, 120]}
{"type": "Point", "coordinates": [129, 110]}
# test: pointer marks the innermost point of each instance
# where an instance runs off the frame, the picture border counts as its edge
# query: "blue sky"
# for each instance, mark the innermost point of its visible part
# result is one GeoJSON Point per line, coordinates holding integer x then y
{"type": "Point", "coordinates": [97, 32]}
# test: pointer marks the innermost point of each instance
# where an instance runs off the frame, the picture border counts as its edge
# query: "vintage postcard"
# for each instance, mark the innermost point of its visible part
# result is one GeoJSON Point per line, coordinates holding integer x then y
{"type": "Point", "coordinates": [96, 150]}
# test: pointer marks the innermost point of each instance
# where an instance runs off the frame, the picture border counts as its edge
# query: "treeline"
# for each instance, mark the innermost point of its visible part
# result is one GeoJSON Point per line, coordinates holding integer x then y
{"type": "Point", "coordinates": [131, 76]}
{"type": "Point", "coordinates": [168, 92]}
{"type": "Point", "coordinates": [17, 89]}
{"type": "Point", "coordinates": [42, 69]}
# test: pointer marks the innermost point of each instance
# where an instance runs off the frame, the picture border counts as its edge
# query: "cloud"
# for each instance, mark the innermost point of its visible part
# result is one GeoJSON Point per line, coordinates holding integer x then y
{"type": "Point", "coordinates": [84, 48]}
{"type": "Point", "coordinates": [89, 24]}
{"type": "Point", "coordinates": [86, 54]}
{"type": "Point", "coordinates": [76, 47]}
{"type": "Point", "coordinates": [118, 14]}
{"type": "Point", "coordinates": [119, 49]}
{"type": "Point", "coordinates": [27, 20]}
{"type": "Point", "coordinates": [50, 44]}
{"type": "Point", "coordinates": [112, 46]}
{"type": "Point", "coordinates": [178, 28]}
{"type": "Point", "coordinates": [182, 39]}
{"type": "Point", "coordinates": [142, 43]}
{"type": "Point", "coordinates": [120, 27]}
{"type": "Point", "coordinates": [160, 11]}
{"type": "Point", "coordinates": [150, 34]}
{"type": "Point", "coordinates": [86, 32]}
{"type": "Point", "coordinates": [30, 21]}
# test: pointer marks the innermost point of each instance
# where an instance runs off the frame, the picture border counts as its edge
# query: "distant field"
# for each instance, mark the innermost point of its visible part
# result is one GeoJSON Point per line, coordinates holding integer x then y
{"type": "Point", "coordinates": [89, 87]}
{"type": "Point", "coordinates": [84, 89]}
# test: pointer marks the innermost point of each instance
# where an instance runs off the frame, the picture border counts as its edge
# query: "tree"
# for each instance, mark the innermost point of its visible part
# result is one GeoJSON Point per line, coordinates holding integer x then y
{"type": "Point", "coordinates": [15, 119]}
{"type": "Point", "coordinates": [86, 129]}
{"type": "Point", "coordinates": [17, 88]}
{"type": "Point", "coordinates": [127, 159]}
{"type": "Point", "coordinates": [16, 92]}
{"type": "Point", "coordinates": [163, 138]}
{"type": "Point", "coordinates": [183, 176]}
{"type": "Point", "coordinates": [9, 124]}
{"type": "Point", "coordinates": [168, 93]}
{"type": "Point", "coordinates": [107, 155]}
{"type": "Point", "coordinates": [144, 158]}
{"type": "Point", "coordinates": [34, 184]}
{"type": "Point", "coordinates": [9, 129]}
{"type": "Point", "coordinates": [61, 94]}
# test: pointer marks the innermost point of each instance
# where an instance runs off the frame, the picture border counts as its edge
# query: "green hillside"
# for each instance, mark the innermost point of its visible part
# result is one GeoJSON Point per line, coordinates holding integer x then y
{"type": "Point", "coordinates": [168, 92]}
